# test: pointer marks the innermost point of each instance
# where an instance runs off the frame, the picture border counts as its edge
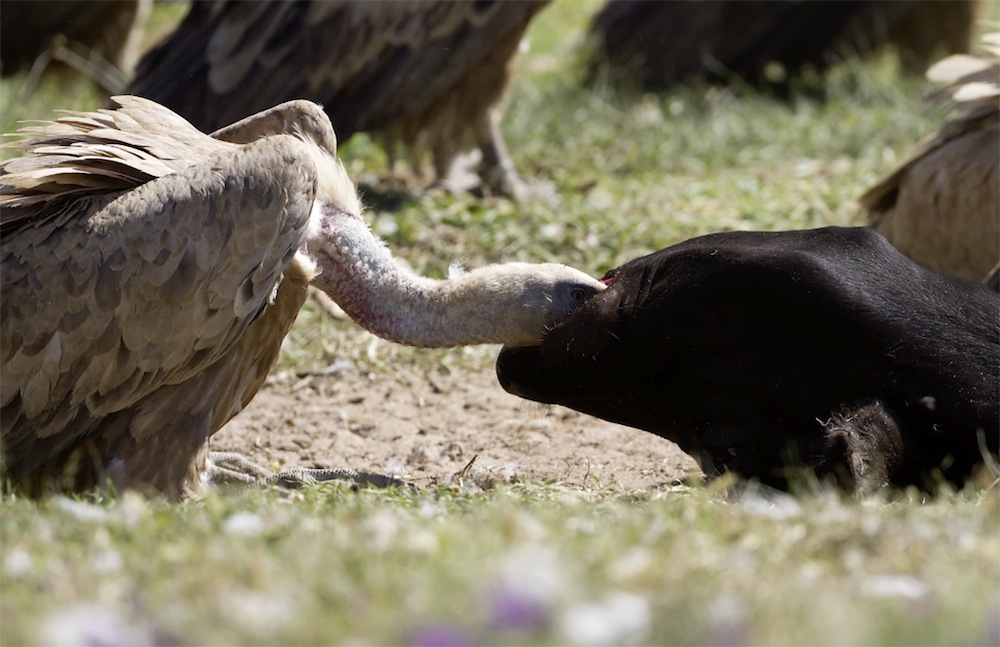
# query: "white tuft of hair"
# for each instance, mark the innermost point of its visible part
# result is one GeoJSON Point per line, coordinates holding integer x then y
{"type": "Point", "coordinates": [457, 269]}
{"type": "Point", "coordinates": [334, 185]}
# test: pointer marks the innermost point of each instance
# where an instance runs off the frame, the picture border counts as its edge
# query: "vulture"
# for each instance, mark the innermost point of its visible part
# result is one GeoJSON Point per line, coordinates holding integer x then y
{"type": "Point", "coordinates": [432, 71]}
{"type": "Point", "coordinates": [112, 30]}
{"type": "Point", "coordinates": [654, 45]}
{"type": "Point", "coordinates": [941, 207]}
{"type": "Point", "coordinates": [770, 354]}
{"type": "Point", "coordinates": [150, 272]}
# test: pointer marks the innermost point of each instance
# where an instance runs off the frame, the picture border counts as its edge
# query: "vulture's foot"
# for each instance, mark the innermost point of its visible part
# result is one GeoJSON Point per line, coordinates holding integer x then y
{"type": "Point", "coordinates": [228, 468]}
{"type": "Point", "coordinates": [469, 173]}
{"type": "Point", "coordinates": [300, 477]}
{"type": "Point", "coordinates": [457, 173]}
{"type": "Point", "coordinates": [497, 170]}
{"type": "Point", "coordinates": [504, 180]}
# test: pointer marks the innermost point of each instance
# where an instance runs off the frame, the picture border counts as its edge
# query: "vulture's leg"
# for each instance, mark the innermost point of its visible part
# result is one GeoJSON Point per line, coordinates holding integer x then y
{"type": "Point", "coordinates": [497, 168]}
{"type": "Point", "coordinates": [234, 468]}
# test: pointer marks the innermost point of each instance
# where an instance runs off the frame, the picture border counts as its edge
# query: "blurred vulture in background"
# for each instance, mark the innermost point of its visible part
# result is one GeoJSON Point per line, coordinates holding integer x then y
{"type": "Point", "coordinates": [432, 69]}
{"type": "Point", "coordinates": [83, 34]}
{"type": "Point", "coordinates": [941, 207]}
{"type": "Point", "coordinates": [656, 44]}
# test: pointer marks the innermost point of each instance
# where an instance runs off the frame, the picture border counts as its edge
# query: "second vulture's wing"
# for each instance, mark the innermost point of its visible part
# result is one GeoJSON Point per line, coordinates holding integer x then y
{"type": "Point", "coordinates": [369, 63]}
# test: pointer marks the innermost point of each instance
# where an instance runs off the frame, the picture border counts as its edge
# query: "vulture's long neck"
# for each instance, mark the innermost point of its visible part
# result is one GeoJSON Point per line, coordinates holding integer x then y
{"type": "Point", "coordinates": [359, 272]}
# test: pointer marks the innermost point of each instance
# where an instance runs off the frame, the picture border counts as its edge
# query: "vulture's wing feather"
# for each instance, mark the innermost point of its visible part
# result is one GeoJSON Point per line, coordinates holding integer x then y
{"type": "Point", "coordinates": [116, 293]}
{"type": "Point", "coordinates": [96, 152]}
{"type": "Point", "coordinates": [369, 63]}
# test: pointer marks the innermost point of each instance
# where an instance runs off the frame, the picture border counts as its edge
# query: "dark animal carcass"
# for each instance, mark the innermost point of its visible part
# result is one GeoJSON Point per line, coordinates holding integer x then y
{"type": "Point", "coordinates": [656, 44]}
{"type": "Point", "coordinates": [425, 68]}
{"type": "Point", "coordinates": [764, 353]}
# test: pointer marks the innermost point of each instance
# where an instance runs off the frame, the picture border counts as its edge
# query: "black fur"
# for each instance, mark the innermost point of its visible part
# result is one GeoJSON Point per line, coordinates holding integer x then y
{"type": "Point", "coordinates": [751, 349]}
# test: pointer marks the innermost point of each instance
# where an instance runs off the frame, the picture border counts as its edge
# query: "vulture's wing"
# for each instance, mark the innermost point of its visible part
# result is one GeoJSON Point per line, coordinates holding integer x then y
{"type": "Point", "coordinates": [368, 63]}
{"type": "Point", "coordinates": [974, 88]}
{"type": "Point", "coordinates": [941, 205]}
{"type": "Point", "coordinates": [86, 154]}
{"type": "Point", "coordinates": [141, 284]}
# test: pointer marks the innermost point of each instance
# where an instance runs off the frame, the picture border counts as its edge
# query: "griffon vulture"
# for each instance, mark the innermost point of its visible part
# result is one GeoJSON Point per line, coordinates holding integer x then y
{"type": "Point", "coordinates": [149, 273]}
{"type": "Point", "coordinates": [941, 207]}
{"type": "Point", "coordinates": [403, 69]}
{"type": "Point", "coordinates": [766, 353]}
{"type": "Point", "coordinates": [655, 44]}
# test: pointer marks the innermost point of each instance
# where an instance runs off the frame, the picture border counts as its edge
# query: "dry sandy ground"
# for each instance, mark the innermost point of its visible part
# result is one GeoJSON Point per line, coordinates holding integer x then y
{"type": "Point", "coordinates": [426, 426]}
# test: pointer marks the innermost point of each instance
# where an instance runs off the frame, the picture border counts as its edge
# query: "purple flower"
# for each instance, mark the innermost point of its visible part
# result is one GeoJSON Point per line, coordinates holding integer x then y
{"type": "Point", "coordinates": [439, 636]}
{"type": "Point", "coordinates": [512, 610]}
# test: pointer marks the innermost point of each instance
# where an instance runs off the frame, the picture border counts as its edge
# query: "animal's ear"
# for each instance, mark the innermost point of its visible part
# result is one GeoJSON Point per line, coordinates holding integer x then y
{"type": "Point", "coordinates": [642, 281]}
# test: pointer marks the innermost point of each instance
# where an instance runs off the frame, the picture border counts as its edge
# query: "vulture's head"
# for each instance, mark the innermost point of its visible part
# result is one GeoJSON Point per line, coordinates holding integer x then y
{"type": "Point", "coordinates": [535, 297]}
{"type": "Point", "coordinates": [555, 366]}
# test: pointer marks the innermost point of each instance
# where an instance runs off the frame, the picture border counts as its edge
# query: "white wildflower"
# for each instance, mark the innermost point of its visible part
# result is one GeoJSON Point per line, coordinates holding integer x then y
{"type": "Point", "coordinates": [776, 506]}
{"type": "Point", "coordinates": [243, 524]}
{"type": "Point", "coordinates": [429, 510]}
{"type": "Point", "coordinates": [82, 511]}
{"type": "Point", "coordinates": [894, 586]}
{"type": "Point", "coordinates": [551, 231]}
{"type": "Point", "coordinates": [533, 572]}
{"type": "Point", "coordinates": [385, 225]}
{"type": "Point", "coordinates": [394, 467]}
{"type": "Point", "coordinates": [87, 624]}
{"type": "Point", "coordinates": [261, 612]}
{"type": "Point", "coordinates": [131, 508]}
{"type": "Point", "coordinates": [381, 529]}
{"type": "Point", "coordinates": [631, 564]}
{"type": "Point", "coordinates": [618, 619]}
{"type": "Point", "coordinates": [17, 563]}
{"type": "Point", "coordinates": [106, 561]}
{"type": "Point", "coordinates": [421, 541]}
{"type": "Point", "coordinates": [726, 609]}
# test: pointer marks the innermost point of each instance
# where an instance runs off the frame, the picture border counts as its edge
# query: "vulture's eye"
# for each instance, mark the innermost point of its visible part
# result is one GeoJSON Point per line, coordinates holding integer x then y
{"type": "Point", "coordinates": [578, 294]}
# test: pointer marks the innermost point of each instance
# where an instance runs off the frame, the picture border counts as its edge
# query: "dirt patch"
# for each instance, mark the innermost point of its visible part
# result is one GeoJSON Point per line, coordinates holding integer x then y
{"type": "Point", "coordinates": [425, 427]}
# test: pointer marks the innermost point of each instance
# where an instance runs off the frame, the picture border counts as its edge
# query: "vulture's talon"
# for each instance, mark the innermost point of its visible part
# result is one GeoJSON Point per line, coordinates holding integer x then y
{"type": "Point", "coordinates": [228, 468]}
{"type": "Point", "coordinates": [300, 477]}
{"type": "Point", "coordinates": [237, 466]}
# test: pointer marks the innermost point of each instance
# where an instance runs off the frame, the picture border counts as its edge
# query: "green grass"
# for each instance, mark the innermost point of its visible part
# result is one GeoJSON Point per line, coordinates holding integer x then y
{"type": "Point", "coordinates": [679, 565]}
{"type": "Point", "coordinates": [516, 565]}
